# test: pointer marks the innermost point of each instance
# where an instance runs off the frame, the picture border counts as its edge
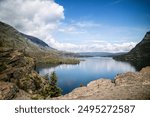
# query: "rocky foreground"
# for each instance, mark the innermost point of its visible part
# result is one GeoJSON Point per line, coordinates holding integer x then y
{"type": "Point", "coordinates": [128, 86]}
{"type": "Point", "coordinates": [18, 79]}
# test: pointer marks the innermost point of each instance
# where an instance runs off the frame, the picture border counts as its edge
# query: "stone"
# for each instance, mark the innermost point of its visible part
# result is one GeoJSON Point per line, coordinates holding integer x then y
{"type": "Point", "coordinates": [22, 95]}
{"type": "Point", "coordinates": [128, 78]}
{"type": "Point", "coordinates": [7, 90]}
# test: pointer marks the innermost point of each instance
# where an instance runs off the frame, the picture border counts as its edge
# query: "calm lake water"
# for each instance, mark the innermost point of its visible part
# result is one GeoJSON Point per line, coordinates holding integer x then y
{"type": "Point", "coordinates": [71, 76]}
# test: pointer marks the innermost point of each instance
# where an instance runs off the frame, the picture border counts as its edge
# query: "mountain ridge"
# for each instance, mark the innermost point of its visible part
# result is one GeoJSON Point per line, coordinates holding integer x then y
{"type": "Point", "coordinates": [99, 54]}
{"type": "Point", "coordinates": [139, 55]}
{"type": "Point", "coordinates": [37, 41]}
{"type": "Point", "coordinates": [10, 38]}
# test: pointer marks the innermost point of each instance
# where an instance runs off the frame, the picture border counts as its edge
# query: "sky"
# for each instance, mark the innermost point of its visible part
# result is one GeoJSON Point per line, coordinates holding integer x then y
{"type": "Point", "coordinates": [80, 25]}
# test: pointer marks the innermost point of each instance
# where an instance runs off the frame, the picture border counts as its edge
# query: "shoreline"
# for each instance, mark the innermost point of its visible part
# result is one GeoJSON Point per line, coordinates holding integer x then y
{"type": "Point", "coordinates": [126, 86]}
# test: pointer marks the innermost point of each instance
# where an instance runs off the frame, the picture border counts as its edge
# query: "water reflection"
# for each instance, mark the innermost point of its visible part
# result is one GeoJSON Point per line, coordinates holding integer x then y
{"type": "Point", "coordinates": [71, 76]}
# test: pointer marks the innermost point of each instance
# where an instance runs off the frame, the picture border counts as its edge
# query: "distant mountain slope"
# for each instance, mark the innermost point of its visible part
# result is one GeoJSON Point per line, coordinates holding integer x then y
{"type": "Point", "coordinates": [8, 30]}
{"type": "Point", "coordinates": [139, 55]}
{"type": "Point", "coordinates": [36, 40]}
{"type": "Point", "coordinates": [11, 39]}
{"type": "Point", "coordinates": [98, 54]}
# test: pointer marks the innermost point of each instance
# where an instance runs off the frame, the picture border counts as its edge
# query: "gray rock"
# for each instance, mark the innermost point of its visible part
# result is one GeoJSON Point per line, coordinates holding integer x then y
{"type": "Point", "coordinates": [7, 90]}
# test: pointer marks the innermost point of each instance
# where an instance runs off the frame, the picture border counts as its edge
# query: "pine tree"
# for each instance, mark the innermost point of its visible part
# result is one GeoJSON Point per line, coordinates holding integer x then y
{"type": "Point", "coordinates": [55, 91]}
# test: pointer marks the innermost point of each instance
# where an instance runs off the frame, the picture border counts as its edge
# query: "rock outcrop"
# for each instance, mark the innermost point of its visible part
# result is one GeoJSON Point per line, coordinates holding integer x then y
{"type": "Point", "coordinates": [8, 90]}
{"type": "Point", "coordinates": [131, 85]}
{"type": "Point", "coordinates": [18, 78]}
{"type": "Point", "coordinates": [139, 56]}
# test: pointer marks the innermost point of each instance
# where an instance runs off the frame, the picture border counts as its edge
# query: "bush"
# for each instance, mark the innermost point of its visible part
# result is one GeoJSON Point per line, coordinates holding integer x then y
{"type": "Point", "coordinates": [50, 88]}
{"type": "Point", "coordinates": [81, 85]}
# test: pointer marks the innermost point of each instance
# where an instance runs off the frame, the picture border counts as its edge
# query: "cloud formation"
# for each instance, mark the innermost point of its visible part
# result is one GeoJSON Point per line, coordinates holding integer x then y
{"type": "Point", "coordinates": [35, 17]}
{"type": "Point", "coordinates": [98, 47]}
{"type": "Point", "coordinates": [40, 18]}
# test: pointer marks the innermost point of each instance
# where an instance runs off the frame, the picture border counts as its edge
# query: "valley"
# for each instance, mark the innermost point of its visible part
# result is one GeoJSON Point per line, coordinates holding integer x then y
{"type": "Point", "coordinates": [22, 78]}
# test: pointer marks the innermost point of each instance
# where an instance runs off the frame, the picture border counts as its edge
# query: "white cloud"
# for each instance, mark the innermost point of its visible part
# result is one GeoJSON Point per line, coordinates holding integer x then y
{"type": "Point", "coordinates": [87, 24]}
{"type": "Point", "coordinates": [79, 27]}
{"type": "Point", "coordinates": [70, 30]}
{"type": "Point", "coordinates": [98, 47]}
{"type": "Point", "coordinates": [35, 17]}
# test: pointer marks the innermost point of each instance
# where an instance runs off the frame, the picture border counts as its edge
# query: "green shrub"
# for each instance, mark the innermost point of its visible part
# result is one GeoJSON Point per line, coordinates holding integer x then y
{"type": "Point", "coordinates": [51, 89]}
{"type": "Point", "coordinates": [55, 91]}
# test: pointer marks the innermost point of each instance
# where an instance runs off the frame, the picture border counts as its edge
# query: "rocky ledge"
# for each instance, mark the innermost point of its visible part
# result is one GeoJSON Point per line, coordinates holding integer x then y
{"type": "Point", "coordinates": [130, 86]}
{"type": "Point", "coordinates": [18, 79]}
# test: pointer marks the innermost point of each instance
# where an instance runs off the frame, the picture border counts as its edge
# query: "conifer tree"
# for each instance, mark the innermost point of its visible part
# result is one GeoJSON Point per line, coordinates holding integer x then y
{"type": "Point", "coordinates": [55, 91]}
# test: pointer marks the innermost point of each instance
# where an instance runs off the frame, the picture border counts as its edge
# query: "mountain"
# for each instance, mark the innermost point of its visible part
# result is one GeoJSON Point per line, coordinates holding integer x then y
{"type": "Point", "coordinates": [31, 46]}
{"type": "Point", "coordinates": [36, 40]}
{"type": "Point", "coordinates": [13, 39]}
{"type": "Point", "coordinates": [98, 54]}
{"type": "Point", "coordinates": [139, 55]}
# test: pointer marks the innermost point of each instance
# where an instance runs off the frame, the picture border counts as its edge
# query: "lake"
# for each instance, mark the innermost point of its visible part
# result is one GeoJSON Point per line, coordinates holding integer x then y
{"type": "Point", "coordinates": [92, 68]}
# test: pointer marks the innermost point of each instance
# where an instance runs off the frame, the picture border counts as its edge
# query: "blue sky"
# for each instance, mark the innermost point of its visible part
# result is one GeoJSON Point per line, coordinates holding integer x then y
{"type": "Point", "coordinates": [80, 25]}
{"type": "Point", "coordinates": [112, 21]}
{"type": "Point", "coordinates": [113, 12]}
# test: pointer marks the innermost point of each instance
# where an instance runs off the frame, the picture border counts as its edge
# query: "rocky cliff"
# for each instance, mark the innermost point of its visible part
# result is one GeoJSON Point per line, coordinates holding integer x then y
{"type": "Point", "coordinates": [139, 55]}
{"type": "Point", "coordinates": [131, 85]}
{"type": "Point", "coordinates": [18, 80]}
